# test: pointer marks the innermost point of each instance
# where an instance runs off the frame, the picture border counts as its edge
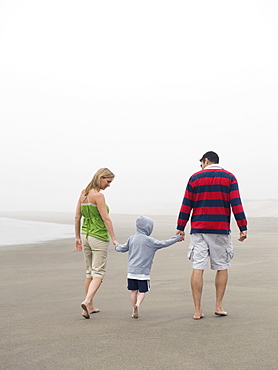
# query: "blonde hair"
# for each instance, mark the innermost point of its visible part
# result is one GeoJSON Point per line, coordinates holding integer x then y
{"type": "Point", "coordinates": [95, 182]}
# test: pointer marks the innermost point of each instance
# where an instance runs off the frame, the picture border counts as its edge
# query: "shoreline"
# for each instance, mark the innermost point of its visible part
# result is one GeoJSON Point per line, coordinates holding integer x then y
{"type": "Point", "coordinates": [252, 208]}
{"type": "Point", "coordinates": [164, 227]}
{"type": "Point", "coordinates": [68, 217]}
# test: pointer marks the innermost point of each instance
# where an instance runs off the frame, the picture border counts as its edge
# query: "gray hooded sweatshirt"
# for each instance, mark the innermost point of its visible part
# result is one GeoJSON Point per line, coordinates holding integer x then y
{"type": "Point", "coordinates": [142, 247]}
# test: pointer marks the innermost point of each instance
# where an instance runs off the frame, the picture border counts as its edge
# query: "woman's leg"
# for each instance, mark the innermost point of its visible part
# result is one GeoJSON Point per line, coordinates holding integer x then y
{"type": "Point", "coordinates": [97, 268]}
{"type": "Point", "coordinates": [87, 304]}
{"type": "Point", "coordinates": [87, 284]}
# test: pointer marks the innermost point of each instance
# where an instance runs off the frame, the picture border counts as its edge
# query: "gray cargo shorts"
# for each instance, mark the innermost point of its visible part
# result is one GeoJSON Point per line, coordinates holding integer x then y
{"type": "Point", "coordinates": [217, 247]}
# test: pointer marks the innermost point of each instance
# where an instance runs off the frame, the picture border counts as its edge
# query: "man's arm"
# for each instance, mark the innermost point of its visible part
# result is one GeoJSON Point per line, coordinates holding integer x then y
{"type": "Point", "coordinates": [238, 210]}
{"type": "Point", "coordinates": [185, 210]}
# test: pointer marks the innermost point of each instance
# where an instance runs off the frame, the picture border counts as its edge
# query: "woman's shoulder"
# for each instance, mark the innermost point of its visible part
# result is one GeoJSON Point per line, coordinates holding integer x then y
{"type": "Point", "coordinates": [98, 195]}
{"type": "Point", "coordinates": [95, 197]}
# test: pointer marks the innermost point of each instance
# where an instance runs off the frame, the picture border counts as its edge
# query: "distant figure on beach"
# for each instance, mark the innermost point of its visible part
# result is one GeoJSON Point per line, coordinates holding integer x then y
{"type": "Point", "coordinates": [211, 194]}
{"type": "Point", "coordinates": [141, 247]}
{"type": "Point", "coordinates": [95, 231]}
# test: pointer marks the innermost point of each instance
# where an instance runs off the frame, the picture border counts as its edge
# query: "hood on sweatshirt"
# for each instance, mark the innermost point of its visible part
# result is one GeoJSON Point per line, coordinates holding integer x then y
{"type": "Point", "coordinates": [144, 225]}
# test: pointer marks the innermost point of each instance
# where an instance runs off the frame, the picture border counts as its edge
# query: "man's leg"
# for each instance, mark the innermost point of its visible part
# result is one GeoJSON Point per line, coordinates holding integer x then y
{"type": "Point", "coordinates": [197, 288]}
{"type": "Point", "coordinates": [221, 280]}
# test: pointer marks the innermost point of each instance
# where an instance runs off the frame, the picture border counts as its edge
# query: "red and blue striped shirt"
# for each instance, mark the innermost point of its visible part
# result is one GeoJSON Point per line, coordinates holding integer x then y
{"type": "Point", "coordinates": [210, 195]}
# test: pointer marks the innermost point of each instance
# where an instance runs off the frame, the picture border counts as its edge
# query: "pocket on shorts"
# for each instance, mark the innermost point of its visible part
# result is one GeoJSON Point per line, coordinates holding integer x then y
{"type": "Point", "coordinates": [190, 252]}
{"type": "Point", "coordinates": [230, 253]}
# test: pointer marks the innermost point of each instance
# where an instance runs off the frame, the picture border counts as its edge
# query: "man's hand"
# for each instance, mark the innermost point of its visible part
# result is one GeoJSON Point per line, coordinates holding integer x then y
{"type": "Point", "coordinates": [242, 236]}
{"type": "Point", "coordinates": [182, 234]}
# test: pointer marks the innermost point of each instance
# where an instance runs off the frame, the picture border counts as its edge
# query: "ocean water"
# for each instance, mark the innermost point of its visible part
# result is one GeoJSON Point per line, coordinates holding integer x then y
{"type": "Point", "coordinates": [16, 232]}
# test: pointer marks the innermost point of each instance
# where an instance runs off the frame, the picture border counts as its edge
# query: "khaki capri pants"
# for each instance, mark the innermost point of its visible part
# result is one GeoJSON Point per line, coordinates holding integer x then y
{"type": "Point", "coordinates": [95, 256]}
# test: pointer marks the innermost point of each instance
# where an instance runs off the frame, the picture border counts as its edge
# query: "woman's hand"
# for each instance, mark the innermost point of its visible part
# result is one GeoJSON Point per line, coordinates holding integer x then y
{"type": "Point", "coordinates": [115, 242]}
{"type": "Point", "coordinates": [78, 245]}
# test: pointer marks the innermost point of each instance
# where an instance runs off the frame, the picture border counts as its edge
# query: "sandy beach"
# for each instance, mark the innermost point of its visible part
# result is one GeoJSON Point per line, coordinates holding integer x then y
{"type": "Point", "coordinates": [42, 288]}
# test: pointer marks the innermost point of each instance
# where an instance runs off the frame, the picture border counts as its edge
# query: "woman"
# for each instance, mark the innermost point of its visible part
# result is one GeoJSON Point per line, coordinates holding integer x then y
{"type": "Point", "coordinates": [95, 231]}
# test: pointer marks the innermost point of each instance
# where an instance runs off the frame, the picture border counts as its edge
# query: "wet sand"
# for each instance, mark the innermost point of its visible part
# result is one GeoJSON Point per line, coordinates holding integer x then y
{"type": "Point", "coordinates": [42, 288]}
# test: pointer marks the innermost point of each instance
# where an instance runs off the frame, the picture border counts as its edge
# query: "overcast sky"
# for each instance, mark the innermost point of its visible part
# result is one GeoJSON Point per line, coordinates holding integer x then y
{"type": "Point", "coordinates": [144, 88]}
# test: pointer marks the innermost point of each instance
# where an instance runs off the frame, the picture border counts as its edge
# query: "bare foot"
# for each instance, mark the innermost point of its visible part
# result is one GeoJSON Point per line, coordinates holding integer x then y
{"type": "Point", "coordinates": [86, 311]}
{"type": "Point", "coordinates": [95, 310]}
{"type": "Point", "coordinates": [223, 313]}
{"type": "Point", "coordinates": [199, 316]}
{"type": "Point", "coordinates": [220, 312]}
{"type": "Point", "coordinates": [135, 313]}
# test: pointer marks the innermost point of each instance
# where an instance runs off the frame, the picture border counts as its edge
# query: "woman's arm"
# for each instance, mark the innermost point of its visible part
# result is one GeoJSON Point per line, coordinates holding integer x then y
{"type": "Point", "coordinates": [101, 205]}
{"type": "Point", "coordinates": [78, 244]}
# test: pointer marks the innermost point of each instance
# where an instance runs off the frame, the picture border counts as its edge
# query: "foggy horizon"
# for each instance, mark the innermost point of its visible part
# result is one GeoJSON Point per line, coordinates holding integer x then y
{"type": "Point", "coordinates": [143, 89]}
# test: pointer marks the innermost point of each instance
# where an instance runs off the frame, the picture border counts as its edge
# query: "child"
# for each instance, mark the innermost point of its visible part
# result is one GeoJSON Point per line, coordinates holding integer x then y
{"type": "Point", "coordinates": [142, 248]}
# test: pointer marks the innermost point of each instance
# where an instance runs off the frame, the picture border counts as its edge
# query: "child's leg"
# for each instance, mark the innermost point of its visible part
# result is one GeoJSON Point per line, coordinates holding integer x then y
{"type": "Point", "coordinates": [140, 298]}
{"type": "Point", "coordinates": [133, 297]}
{"type": "Point", "coordinates": [137, 296]}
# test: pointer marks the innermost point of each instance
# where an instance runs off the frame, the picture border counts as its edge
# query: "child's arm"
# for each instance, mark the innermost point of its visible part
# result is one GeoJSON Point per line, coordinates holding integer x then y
{"type": "Point", "coordinates": [122, 247]}
{"type": "Point", "coordinates": [158, 244]}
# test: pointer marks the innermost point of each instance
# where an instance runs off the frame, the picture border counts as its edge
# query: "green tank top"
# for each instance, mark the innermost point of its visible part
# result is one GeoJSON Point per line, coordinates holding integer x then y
{"type": "Point", "coordinates": [93, 224]}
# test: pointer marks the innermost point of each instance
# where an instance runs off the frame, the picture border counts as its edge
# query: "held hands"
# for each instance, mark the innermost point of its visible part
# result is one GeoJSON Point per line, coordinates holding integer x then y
{"type": "Point", "coordinates": [182, 234]}
{"type": "Point", "coordinates": [242, 236]}
{"type": "Point", "coordinates": [78, 245]}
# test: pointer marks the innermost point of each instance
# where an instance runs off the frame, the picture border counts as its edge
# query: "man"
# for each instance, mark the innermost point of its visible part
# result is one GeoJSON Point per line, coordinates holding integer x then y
{"type": "Point", "coordinates": [211, 194]}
